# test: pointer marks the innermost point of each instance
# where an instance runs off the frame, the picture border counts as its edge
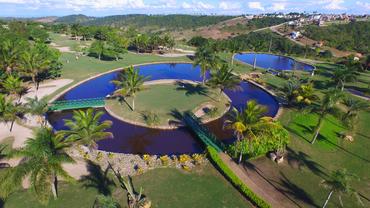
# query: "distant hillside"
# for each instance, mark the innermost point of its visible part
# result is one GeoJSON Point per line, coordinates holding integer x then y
{"type": "Point", "coordinates": [72, 19]}
{"type": "Point", "coordinates": [354, 36]}
{"type": "Point", "coordinates": [176, 21]}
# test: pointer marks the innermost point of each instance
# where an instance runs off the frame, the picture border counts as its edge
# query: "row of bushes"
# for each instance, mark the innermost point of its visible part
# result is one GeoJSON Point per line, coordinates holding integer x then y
{"type": "Point", "coordinates": [254, 198]}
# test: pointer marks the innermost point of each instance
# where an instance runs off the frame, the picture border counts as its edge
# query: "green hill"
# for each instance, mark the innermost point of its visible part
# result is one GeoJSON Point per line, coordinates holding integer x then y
{"type": "Point", "coordinates": [175, 21]}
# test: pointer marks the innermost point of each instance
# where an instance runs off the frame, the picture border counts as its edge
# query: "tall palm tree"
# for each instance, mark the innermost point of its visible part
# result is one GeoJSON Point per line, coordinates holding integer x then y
{"type": "Point", "coordinates": [13, 85]}
{"type": "Point", "coordinates": [42, 160]}
{"type": "Point", "coordinates": [339, 182]}
{"type": "Point", "coordinates": [9, 110]}
{"type": "Point", "coordinates": [37, 107]}
{"type": "Point", "coordinates": [130, 83]}
{"type": "Point", "coordinates": [325, 107]}
{"type": "Point", "coordinates": [223, 79]}
{"type": "Point", "coordinates": [86, 128]}
{"type": "Point", "coordinates": [341, 76]}
{"type": "Point", "coordinates": [206, 59]}
{"type": "Point", "coordinates": [33, 64]}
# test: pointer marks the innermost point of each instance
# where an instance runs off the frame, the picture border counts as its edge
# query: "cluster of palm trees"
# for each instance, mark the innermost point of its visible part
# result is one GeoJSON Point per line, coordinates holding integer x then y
{"type": "Point", "coordinates": [250, 127]}
{"type": "Point", "coordinates": [43, 155]}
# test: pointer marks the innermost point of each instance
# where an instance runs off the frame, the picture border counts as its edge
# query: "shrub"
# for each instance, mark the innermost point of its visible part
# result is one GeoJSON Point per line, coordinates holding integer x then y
{"type": "Point", "coordinates": [184, 158]}
{"type": "Point", "coordinates": [254, 198]}
{"type": "Point", "coordinates": [165, 160]}
{"type": "Point", "coordinates": [99, 156]}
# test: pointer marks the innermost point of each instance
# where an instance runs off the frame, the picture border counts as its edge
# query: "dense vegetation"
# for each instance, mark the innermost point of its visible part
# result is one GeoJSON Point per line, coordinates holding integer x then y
{"type": "Point", "coordinates": [175, 21]}
{"type": "Point", "coordinates": [354, 36]}
{"type": "Point", "coordinates": [256, 41]}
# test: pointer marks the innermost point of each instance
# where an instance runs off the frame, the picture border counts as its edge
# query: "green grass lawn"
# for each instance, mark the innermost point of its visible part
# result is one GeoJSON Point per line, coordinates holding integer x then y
{"type": "Point", "coordinates": [307, 165]}
{"type": "Point", "coordinates": [164, 99]}
{"type": "Point", "coordinates": [164, 187]}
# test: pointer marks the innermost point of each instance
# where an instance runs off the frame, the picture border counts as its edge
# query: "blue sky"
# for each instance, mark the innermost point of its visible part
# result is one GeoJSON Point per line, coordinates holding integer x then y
{"type": "Point", "coordinates": [36, 8]}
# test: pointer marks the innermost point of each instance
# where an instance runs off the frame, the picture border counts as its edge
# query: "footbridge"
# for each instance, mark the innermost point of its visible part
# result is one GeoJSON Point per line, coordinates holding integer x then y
{"type": "Point", "coordinates": [77, 104]}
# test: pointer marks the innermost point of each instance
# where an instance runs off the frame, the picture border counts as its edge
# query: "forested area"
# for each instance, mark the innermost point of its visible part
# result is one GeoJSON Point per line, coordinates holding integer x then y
{"type": "Point", "coordinates": [175, 21]}
{"type": "Point", "coordinates": [25, 54]}
{"type": "Point", "coordinates": [354, 36]}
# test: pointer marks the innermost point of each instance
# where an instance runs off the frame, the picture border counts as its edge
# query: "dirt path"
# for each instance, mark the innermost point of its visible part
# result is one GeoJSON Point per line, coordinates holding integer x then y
{"type": "Point", "coordinates": [259, 186]}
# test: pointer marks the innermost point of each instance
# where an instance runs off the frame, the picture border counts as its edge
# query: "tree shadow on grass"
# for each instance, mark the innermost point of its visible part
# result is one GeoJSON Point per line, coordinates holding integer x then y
{"type": "Point", "coordinates": [294, 190]}
{"type": "Point", "coordinates": [319, 84]}
{"type": "Point", "coordinates": [320, 137]}
{"type": "Point", "coordinates": [177, 115]}
{"type": "Point", "coordinates": [251, 167]}
{"type": "Point", "coordinates": [301, 159]}
{"type": "Point", "coordinates": [192, 89]}
{"type": "Point", "coordinates": [301, 134]}
{"type": "Point", "coordinates": [98, 179]}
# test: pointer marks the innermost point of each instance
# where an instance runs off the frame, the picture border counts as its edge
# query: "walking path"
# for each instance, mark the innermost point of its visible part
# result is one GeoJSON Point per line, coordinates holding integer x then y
{"type": "Point", "coordinates": [258, 184]}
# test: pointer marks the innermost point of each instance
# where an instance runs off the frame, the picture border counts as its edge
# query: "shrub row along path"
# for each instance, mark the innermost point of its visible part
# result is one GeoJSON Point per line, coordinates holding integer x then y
{"type": "Point", "coordinates": [255, 182]}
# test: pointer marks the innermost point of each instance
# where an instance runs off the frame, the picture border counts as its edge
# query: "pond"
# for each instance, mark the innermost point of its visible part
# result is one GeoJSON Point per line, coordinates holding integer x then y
{"type": "Point", "coordinates": [134, 139]}
{"type": "Point", "coordinates": [275, 62]}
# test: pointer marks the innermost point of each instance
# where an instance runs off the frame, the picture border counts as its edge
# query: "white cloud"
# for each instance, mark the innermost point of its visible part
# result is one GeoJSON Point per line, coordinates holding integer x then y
{"type": "Point", "coordinates": [278, 6]}
{"type": "Point", "coordinates": [256, 5]}
{"type": "Point", "coordinates": [363, 5]}
{"type": "Point", "coordinates": [229, 5]}
{"type": "Point", "coordinates": [197, 5]}
{"type": "Point", "coordinates": [334, 5]}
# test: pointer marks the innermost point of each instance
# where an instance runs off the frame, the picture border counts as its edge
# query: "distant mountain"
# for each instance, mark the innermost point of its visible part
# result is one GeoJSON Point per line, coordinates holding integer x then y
{"type": "Point", "coordinates": [76, 18]}
{"type": "Point", "coordinates": [175, 21]}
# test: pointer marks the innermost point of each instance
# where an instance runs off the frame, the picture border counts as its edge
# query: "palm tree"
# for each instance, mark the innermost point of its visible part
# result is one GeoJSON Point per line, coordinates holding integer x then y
{"type": "Point", "coordinates": [9, 111]}
{"type": "Point", "coordinates": [9, 54]}
{"type": "Point", "coordinates": [233, 48]}
{"type": "Point", "coordinates": [248, 122]}
{"type": "Point", "coordinates": [37, 107]}
{"type": "Point", "coordinates": [325, 107]}
{"type": "Point", "coordinates": [130, 83]}
{"type": "Point", "coordinates": [34, 63]}
{"type": "Point", "coordinates": [223, 79]}
{"type": "Point", "coordinates": [206, 59]}
{"type": "Point", "coordinates": [42, 160]}
{"type": "Point", "coordinates": [13, 85]}
{"type": "Point", "coordinates": [85, 128]}
{"type": "Point", "coordinates": [353, 107]}
{"type": "Point", "coordinates": [341, 76]}
{"type": "Point", "coordinates": [339, 182]}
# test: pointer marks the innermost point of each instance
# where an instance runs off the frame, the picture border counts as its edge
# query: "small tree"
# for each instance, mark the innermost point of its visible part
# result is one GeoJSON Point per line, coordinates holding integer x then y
{"type": "Point", "coordinates": [339, 182]}
{"type": "Point", "coordinates": [223, 79]}
{"type": "Point", "coordinates": [341, 76]}
{"type": "Point", "coordinates": [206, 58]}
{"type": "Point", "coordinates": [13, 85]}
{"type": "Point", "coordinates": [86, 128]}
{"type": "Point", "coordinates": [326, 106]}
{"type": "Point", "coordinates": [42, 160]}
{"type": "Point", "coordinates": [130, 83]}
{"type": "Point", "coordinates": [37, 107]}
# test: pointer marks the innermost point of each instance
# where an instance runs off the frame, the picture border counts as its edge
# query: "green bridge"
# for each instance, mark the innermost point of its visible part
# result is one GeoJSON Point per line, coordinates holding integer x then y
{"type": "Point", "coordinates": [77, 104]}
{"type": "Point", "coordinates": [202, 132]}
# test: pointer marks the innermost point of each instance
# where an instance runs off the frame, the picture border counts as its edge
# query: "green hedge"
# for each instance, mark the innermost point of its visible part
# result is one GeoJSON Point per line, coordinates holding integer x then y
{"type": "Point", "coordinates": [255, 199]}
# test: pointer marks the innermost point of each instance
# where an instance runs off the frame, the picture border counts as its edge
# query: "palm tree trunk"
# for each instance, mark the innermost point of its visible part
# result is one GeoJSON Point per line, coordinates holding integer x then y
{"type": "Point", "coordinates": [232, 59]}
{"type": "Point", "coordinates": [240, 157]}
{"type": "Point", "coordinates": [54, 187]}
{"type": "Point", "coordinates": [327, 199]}
{"type": "Point", "coordinates": [317, 129]}
{"type": "Point", "coordinates": [11, 125]}
{"type": "Point", "coordinates": [342, 86]}
{"type": "Point", "coordinates": [133, 103]}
